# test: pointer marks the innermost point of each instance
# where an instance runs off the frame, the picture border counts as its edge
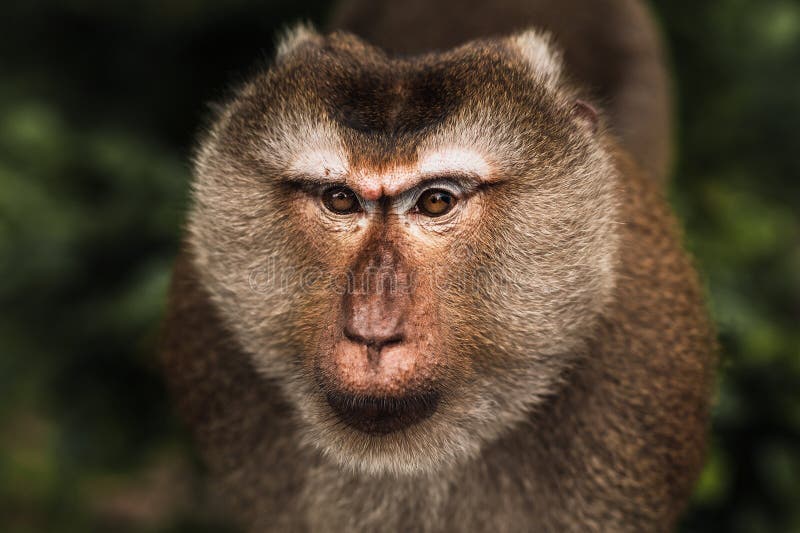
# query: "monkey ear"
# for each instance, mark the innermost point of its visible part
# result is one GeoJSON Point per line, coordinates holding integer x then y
{"type": "Point", "coordinates": [295, 37]}
{"type": "Point", "coordinates": [586, 114]}
{"type": "Point", "coordinates": [544, 58]}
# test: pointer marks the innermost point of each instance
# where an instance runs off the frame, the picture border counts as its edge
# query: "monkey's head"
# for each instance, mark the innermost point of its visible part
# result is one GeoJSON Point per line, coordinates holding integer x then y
{"type": "Point", "coordinates": [415, 250]}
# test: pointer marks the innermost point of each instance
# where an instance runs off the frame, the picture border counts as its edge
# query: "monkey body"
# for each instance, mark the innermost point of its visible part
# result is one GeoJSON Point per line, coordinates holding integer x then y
{"type": "Point", "coordinates": [568, 392]}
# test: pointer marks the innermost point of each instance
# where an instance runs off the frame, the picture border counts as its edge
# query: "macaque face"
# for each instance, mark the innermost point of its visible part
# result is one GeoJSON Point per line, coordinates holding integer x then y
{"type": "Point", "coordinates": [414, 250]}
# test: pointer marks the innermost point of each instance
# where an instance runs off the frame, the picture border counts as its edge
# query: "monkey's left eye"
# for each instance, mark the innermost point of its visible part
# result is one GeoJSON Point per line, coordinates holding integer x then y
{"type": "Point", "coordinates": [435, 202]}
{"type": "Point", "coordinates": [341, 200]}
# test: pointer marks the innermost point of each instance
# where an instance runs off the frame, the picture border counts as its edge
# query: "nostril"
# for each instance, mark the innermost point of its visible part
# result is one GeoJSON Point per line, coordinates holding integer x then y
{"type": "Point", "coordinates": [376, 345]}
{"type": "Point", "coordinates": [374, 342]}
{"type": "Point", "coordinates": [353, 336]}
{"type": "Point", "coordinates": [390, 341]}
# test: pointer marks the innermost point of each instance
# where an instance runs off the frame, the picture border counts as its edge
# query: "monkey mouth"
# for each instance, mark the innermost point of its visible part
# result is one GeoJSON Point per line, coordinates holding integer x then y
{"type": "Point", "coordinates": [383, 414]}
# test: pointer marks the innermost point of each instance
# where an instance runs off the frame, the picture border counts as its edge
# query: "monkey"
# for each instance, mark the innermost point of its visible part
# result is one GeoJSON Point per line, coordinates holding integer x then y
{"type": "Point", "coordinates": [430, 282]}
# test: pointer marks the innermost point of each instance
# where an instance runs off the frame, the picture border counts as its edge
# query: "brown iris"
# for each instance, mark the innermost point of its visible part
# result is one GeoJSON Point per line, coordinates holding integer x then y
{"type": "Point", "coordinates": [435, 202]}
{"type": "Point", "coordinates": [341, 200]}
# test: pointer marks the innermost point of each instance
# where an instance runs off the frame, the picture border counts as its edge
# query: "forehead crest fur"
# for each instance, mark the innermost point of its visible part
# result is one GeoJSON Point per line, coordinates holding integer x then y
{"type": "Point", "coordinates": [541, 54]}
{"type": "Point", "coordinates": [295, 36]}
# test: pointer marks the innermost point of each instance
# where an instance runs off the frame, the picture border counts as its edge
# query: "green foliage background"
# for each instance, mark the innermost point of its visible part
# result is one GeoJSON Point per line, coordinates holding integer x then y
{"type": "Point", "coordinates": [99, 104]}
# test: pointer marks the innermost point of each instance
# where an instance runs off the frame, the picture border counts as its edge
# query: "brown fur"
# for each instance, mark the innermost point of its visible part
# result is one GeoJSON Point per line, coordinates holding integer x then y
{"type": "Point", "coordinates": [611, 46]}
{"type": "Point", "coordinates": [554, 314]}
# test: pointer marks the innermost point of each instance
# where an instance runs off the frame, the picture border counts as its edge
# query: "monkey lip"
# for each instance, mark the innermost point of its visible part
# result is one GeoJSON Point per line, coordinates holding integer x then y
{"type": "Point", "coordinates": [383, 414]}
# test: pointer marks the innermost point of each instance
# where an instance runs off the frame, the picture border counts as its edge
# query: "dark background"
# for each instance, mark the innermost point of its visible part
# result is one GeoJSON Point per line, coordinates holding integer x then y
{"type": "Point", "coordinates": [99, 105]}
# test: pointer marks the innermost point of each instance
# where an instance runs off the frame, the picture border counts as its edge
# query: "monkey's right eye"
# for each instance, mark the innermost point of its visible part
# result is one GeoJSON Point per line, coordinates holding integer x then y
{"type": "Point", "coordinates": [341, 200]}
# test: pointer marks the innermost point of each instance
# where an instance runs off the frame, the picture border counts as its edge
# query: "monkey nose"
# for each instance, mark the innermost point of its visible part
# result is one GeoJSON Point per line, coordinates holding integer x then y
{"type": "Point", "coordinates": [376, 333]}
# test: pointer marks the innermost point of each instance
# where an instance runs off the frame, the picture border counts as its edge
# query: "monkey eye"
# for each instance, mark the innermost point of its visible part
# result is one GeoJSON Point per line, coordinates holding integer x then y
{"type": "Point", "coordinates": [341, 200]}
{"type": "Point", "coordinates": [435, 202]}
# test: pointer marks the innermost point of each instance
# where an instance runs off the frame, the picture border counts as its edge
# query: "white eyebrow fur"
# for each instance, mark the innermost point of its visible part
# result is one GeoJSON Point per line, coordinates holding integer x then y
{"type": "Point", "coordinates": [320, 164]}
{"type": "Point", "coordinates": [453, 160]}
{"type": "Point", "coordinates": [324, 165]}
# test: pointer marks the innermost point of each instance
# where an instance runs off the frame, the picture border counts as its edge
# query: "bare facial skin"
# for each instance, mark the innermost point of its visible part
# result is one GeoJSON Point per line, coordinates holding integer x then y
{"type": "Point", "coordinates": [435, 293]}
{"type": "Point", "coordinates": [381, 372]}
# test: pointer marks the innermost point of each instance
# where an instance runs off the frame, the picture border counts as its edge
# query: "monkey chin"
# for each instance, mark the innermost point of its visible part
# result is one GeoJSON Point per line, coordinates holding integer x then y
{"type": "Point", "coordinates": [409, 436]}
